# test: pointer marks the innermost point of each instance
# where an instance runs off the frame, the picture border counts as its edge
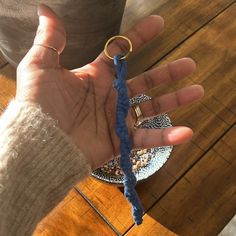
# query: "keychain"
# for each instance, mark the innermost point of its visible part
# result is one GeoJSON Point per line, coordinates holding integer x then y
{"type": "Point", "coordinates": [122, 107]}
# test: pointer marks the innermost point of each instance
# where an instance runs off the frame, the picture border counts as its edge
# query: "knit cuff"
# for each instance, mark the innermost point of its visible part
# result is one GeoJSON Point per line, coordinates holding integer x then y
{"type": "Point", "coordinates": [38, 166]}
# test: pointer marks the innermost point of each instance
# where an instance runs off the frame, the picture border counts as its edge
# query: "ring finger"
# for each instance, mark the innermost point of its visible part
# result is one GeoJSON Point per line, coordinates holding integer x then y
{"type": "Point", "coordinates": [171, 101]}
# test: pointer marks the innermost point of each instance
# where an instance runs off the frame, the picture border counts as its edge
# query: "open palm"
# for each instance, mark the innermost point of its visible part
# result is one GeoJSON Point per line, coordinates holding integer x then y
{"type": "Point", "coordinates": [83, 101]}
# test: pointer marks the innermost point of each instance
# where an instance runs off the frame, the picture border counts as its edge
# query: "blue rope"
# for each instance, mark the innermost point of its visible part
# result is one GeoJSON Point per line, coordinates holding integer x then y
{"type": "Point", "coordinates": [125, 142]}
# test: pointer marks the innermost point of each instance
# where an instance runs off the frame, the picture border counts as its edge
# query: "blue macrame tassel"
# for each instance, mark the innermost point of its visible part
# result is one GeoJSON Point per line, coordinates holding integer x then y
{"type": "Point", "coordinates": [125, 142]}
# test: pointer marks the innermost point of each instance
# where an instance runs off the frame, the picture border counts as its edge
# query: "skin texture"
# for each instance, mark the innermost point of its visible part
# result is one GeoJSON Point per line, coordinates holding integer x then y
{"type": "Point", "coordinates": [83, 100]}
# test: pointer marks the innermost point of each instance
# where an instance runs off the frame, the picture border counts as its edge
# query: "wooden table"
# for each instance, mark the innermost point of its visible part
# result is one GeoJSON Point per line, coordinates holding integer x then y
{"type": "Point", "coordinates": [194, 193]}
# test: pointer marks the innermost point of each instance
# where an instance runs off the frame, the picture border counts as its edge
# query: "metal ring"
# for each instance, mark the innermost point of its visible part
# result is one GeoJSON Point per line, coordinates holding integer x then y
{"type": "Point", "coordinates": [112, 39]}
{"type": "Point", "coordinates": [139, 115]}
{"type": "Point", "coordinates": [47, 46]}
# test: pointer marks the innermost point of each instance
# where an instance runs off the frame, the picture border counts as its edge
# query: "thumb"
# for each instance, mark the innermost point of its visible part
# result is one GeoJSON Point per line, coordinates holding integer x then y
{"type": "Point", "coordinates": [49, 41]}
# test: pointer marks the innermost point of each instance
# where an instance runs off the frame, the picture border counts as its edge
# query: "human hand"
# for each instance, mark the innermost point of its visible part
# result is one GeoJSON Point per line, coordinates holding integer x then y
{"type": "Point", "coordinates": [83, 100]}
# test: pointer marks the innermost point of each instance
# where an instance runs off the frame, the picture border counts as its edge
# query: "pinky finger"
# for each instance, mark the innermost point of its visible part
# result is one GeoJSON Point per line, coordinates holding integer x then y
{"type": "Point", "coordinates": [149, 138]}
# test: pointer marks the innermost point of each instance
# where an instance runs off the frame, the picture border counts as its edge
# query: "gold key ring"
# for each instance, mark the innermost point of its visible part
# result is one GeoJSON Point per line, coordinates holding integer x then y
{"type": "Point", "coordinates": [112, 39]}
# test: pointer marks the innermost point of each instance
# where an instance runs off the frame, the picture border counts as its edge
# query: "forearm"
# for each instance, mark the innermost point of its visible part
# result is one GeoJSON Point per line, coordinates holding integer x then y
{"type": "Point", "coordinates": [38, 166]}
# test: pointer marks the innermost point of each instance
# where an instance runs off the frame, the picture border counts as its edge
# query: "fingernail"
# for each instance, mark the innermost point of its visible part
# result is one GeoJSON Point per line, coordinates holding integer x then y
{"type": "Point", "coordinates": [179, 133]}
{"type": "Point", "coordinates": [39, 12]}
{"type": "Point", "coordinates": [42, 9]}
{"type": "Point", "coordinates": [174, 134]}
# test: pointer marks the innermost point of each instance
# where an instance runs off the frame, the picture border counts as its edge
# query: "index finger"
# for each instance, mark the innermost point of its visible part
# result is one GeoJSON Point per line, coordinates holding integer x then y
{"type": "Point", "coordinates": [143, 32]}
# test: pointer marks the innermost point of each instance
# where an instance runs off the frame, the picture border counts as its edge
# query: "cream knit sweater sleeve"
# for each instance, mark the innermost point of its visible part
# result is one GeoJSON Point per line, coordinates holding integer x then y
{"type": "Point", "coordinates": [38, 166]}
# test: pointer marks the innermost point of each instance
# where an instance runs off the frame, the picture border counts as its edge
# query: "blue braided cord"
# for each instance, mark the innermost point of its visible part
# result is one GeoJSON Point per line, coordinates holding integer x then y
{"type": "Point", "coordinates": [125, 142]}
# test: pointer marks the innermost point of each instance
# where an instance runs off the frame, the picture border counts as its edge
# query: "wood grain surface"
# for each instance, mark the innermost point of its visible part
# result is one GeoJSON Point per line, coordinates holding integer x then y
{"type": "Point", "coordinates": [204, 200]}
{"type": "Point", "coordinates": [182, 18]}
{"type": "Point", "coordinates": [8, 83]}
{"type": "Point", "coordinates": [194, 192]}
{"type": "Point", "coordinates": [73, 217]}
